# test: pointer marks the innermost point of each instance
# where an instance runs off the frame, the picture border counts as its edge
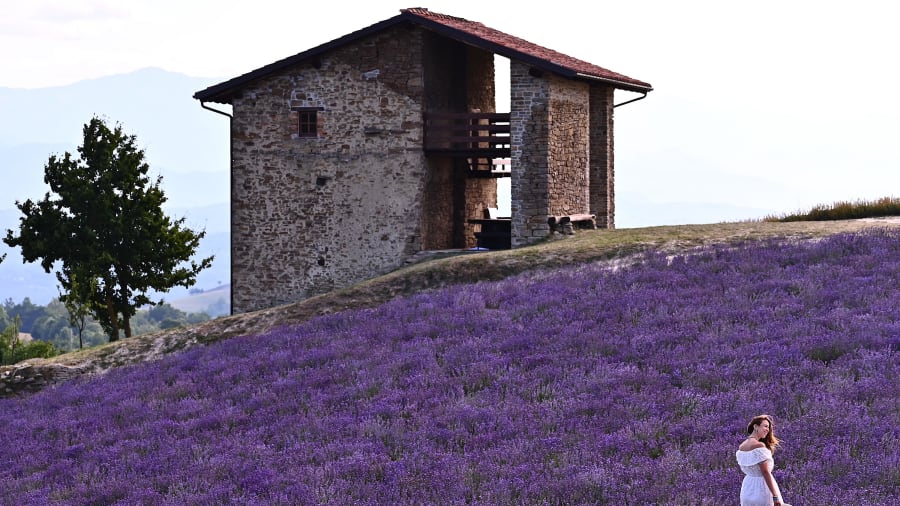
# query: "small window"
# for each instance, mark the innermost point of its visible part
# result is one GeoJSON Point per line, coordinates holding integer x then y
{"type": "Point", "coordinates": [309, 123]}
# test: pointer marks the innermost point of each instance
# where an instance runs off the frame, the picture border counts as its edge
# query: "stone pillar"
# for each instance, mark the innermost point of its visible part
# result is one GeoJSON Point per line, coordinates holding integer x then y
{"type": "Point", "coordinates": [529, 131]}
{"type": "Point", "coordinates": [602, 194]}
{"type": "Point", "coordinates": [569, 147]}
{"type": "Point", "coordinates": [480, 193]}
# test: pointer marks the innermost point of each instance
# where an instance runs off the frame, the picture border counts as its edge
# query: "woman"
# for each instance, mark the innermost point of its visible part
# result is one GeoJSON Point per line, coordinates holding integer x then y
{"type": "Point", "coordinates": [754, 456]}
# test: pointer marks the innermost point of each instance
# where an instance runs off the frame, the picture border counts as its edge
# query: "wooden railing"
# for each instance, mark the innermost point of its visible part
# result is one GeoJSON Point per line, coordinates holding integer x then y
{"type": "Point", "coordinates": [474, 134]}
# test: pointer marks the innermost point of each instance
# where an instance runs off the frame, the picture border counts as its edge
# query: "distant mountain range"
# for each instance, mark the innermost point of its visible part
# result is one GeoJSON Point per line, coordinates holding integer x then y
{"type": "Point", "coordinates": [185, 144]}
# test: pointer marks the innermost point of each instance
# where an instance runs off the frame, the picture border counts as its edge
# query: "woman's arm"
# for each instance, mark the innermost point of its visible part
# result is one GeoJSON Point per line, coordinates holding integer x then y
{"type": "Point", "coordinates": [765, 467]}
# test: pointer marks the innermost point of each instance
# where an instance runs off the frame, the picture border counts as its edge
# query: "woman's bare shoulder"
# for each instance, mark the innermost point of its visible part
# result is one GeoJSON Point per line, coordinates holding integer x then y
{"type": "Point", "coordinates": [751, 444]}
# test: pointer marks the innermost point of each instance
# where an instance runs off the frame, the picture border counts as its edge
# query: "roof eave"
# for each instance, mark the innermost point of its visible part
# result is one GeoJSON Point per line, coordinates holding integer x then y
{"type": "Point", "coordinates": [225, 91]}
{"type": "Point", "coordinates": [513, 54]}
{"type": "Point", "coordinates": [621, 85]}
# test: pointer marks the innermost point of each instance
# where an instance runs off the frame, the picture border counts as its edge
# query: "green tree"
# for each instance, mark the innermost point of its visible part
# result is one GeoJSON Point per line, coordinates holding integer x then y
{"type": "Point", "coordinates": [9, 341]}
{"type": "Point", "coordinates": [13, 350]}
{"type": "Point", "coordinates": [4, 319]}
{"type": "Point", "coordinates": [54, 327]}
{"type": "Point", "coordinates": [78, 304]}
{"type": "Point", "coordinates": [27, 311]}
{"type": "Point", "coordinates": [164, 311]}
{"type": "Point", "coordinates": [200, 317]}
{"type": "Point", "coordinates": [104, 222]}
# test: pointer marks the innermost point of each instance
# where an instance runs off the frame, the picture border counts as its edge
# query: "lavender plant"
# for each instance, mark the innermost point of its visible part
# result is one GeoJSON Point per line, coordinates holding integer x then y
{"type": "Point", "coordinates": [576, 386]}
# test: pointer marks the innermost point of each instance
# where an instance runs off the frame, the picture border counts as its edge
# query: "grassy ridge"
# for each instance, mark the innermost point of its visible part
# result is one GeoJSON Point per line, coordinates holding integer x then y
{"type": "Point", "coordinates": [585, 247]}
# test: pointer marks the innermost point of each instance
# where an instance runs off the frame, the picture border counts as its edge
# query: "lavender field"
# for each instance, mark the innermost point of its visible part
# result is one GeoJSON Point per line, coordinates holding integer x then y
{"type": "Point", "coordinates": [577, 386]}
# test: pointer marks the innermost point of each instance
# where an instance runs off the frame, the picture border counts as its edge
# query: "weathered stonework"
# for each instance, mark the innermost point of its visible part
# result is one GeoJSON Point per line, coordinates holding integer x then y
{"type": "Point", "coordinates": [25, 378]}
{"type": "Point", "coordinates": [459, 78]}
{"type": "Point", "coordinates": [480, 193]}
{"type": "Point", "coordinates": [311, 214]}
{"type": "Point", "coordinates": [301, 206]}
{"type": "Point", "coordinates": [602, 195]}
{"type": "Point", "coordinates": [334, 180]}
{"type": "Point", "coordinates": [559, 130]}
{"type": "Point", "coordinates": [568, 147]}
{"type": "Point", "coordinates": [529, 138]}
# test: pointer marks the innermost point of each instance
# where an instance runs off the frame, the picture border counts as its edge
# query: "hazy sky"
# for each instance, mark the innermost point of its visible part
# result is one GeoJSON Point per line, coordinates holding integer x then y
{"type": "Point", "coordinates": [775, 105]}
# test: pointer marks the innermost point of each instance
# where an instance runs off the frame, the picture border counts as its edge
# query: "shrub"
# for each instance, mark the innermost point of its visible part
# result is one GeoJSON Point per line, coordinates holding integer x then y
{"type": "Point", "coordinates": [13, 350]}
{"type": "Point", "coordinates": [844, 210]}
{"type": "Point", "coordinates": [34, 349]}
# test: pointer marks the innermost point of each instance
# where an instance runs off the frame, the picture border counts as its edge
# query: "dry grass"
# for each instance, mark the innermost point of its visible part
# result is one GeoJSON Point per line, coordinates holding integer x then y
{"type": "Point", "coordinates": [845, 210]}
{"type": "Point", "coordinates": [584, 247]}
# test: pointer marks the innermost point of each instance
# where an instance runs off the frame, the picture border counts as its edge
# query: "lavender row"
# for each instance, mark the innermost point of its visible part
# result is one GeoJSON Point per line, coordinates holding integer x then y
{"type": "Point", "coordinates": [577, 386]}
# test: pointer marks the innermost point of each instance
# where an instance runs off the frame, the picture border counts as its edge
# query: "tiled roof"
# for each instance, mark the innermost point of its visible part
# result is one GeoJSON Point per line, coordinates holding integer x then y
{"type": "Point", "coordinates": [469, 32]}
{"type": "Point", "coordinates": [515, 48]}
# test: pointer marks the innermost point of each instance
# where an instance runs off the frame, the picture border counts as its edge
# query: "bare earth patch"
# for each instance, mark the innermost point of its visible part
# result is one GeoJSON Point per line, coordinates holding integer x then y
{"type": "Point", "coordinates": [616, 247]}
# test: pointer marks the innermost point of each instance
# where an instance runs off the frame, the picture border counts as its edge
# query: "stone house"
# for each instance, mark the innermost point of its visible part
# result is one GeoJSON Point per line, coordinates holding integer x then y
{"type": "Point", "coordinates": [349, 158]}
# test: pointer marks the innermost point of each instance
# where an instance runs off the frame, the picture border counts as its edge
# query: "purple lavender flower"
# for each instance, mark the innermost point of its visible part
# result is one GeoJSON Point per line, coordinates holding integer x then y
{"type": "Point", "coordinates": [575, 386]}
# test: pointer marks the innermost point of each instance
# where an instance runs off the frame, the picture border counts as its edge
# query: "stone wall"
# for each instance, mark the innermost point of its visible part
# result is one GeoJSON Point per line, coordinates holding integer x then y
{"type": "Point", "coordinates": [481, 193]}
{"type": "Point", "coordinates": [551, 166]}
{"type": "Point", "coordinates": [459, 78]}
{"type": "Point", "coordinates": [569, 148]}
{"type": "Point", "coordinates": [529, 133]}
{"type": "Point", "coordinates": [313, 214]}
{"type": "Point", "coordinates": [437, 205]}
{"type": "Point", "coordinates": [602, 188]}
{"type": "Point", "coordinates": [25, 378]}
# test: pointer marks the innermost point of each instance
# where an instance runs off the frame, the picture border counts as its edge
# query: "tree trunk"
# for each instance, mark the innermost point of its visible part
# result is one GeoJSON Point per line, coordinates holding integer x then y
{"type": "Point", "coordinates": [113, 319]}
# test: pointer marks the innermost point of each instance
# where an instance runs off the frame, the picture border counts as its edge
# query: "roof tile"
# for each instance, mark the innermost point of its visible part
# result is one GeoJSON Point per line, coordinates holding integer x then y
{"type": "Point", "coordinates": [523, 47]}
{"type": "Point", "coordinates": [470, 32]}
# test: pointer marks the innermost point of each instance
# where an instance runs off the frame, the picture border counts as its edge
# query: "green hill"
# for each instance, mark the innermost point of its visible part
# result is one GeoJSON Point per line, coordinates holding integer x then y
{"type": "Point", "coordinates": [215, 302]}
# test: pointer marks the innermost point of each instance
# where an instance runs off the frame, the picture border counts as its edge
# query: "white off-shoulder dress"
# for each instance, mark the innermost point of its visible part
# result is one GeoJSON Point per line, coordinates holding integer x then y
{"type": "Point", "coordinates": [754, 491]}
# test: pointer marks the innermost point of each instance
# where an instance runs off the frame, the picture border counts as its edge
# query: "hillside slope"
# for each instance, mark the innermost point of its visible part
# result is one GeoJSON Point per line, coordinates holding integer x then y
{"type": "Point", "coordinates": [435, 271]}
{"type": "Point", "coordinates": [574, 383]}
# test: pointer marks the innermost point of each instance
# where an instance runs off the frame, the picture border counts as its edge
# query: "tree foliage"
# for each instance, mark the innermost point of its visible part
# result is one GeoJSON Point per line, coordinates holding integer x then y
{"type": "Point", "coordinates": [103, 228]}
{"type": "Point", "coordinates": [13, 349]}
{"type": "Point", "coordinates": [26, 312]}
{"type": "Point", "coordinates": [78, 305]}
{"type": "Point", "coordinates": [4, 319]}
{"type": "Point", "coordinates": [55, 325]}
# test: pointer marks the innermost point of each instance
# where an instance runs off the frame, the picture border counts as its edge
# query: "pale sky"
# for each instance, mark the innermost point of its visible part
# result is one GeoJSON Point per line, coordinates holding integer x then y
{"type": "Point", "coordinates": [768, 104]}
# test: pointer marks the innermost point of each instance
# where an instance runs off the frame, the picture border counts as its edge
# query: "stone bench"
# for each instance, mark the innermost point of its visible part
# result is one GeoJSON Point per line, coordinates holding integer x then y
{"type": "Point", "coordinates": [567, 224]}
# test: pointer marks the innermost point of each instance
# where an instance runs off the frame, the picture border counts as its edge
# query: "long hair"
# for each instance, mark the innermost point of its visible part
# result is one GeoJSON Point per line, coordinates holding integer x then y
{"type": "Point", "coordinates": [770, 440]}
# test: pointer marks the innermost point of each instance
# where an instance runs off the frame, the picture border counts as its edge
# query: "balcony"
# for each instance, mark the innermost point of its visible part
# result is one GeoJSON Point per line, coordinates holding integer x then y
{"type": "Point", "coordinates": [480, 138]}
